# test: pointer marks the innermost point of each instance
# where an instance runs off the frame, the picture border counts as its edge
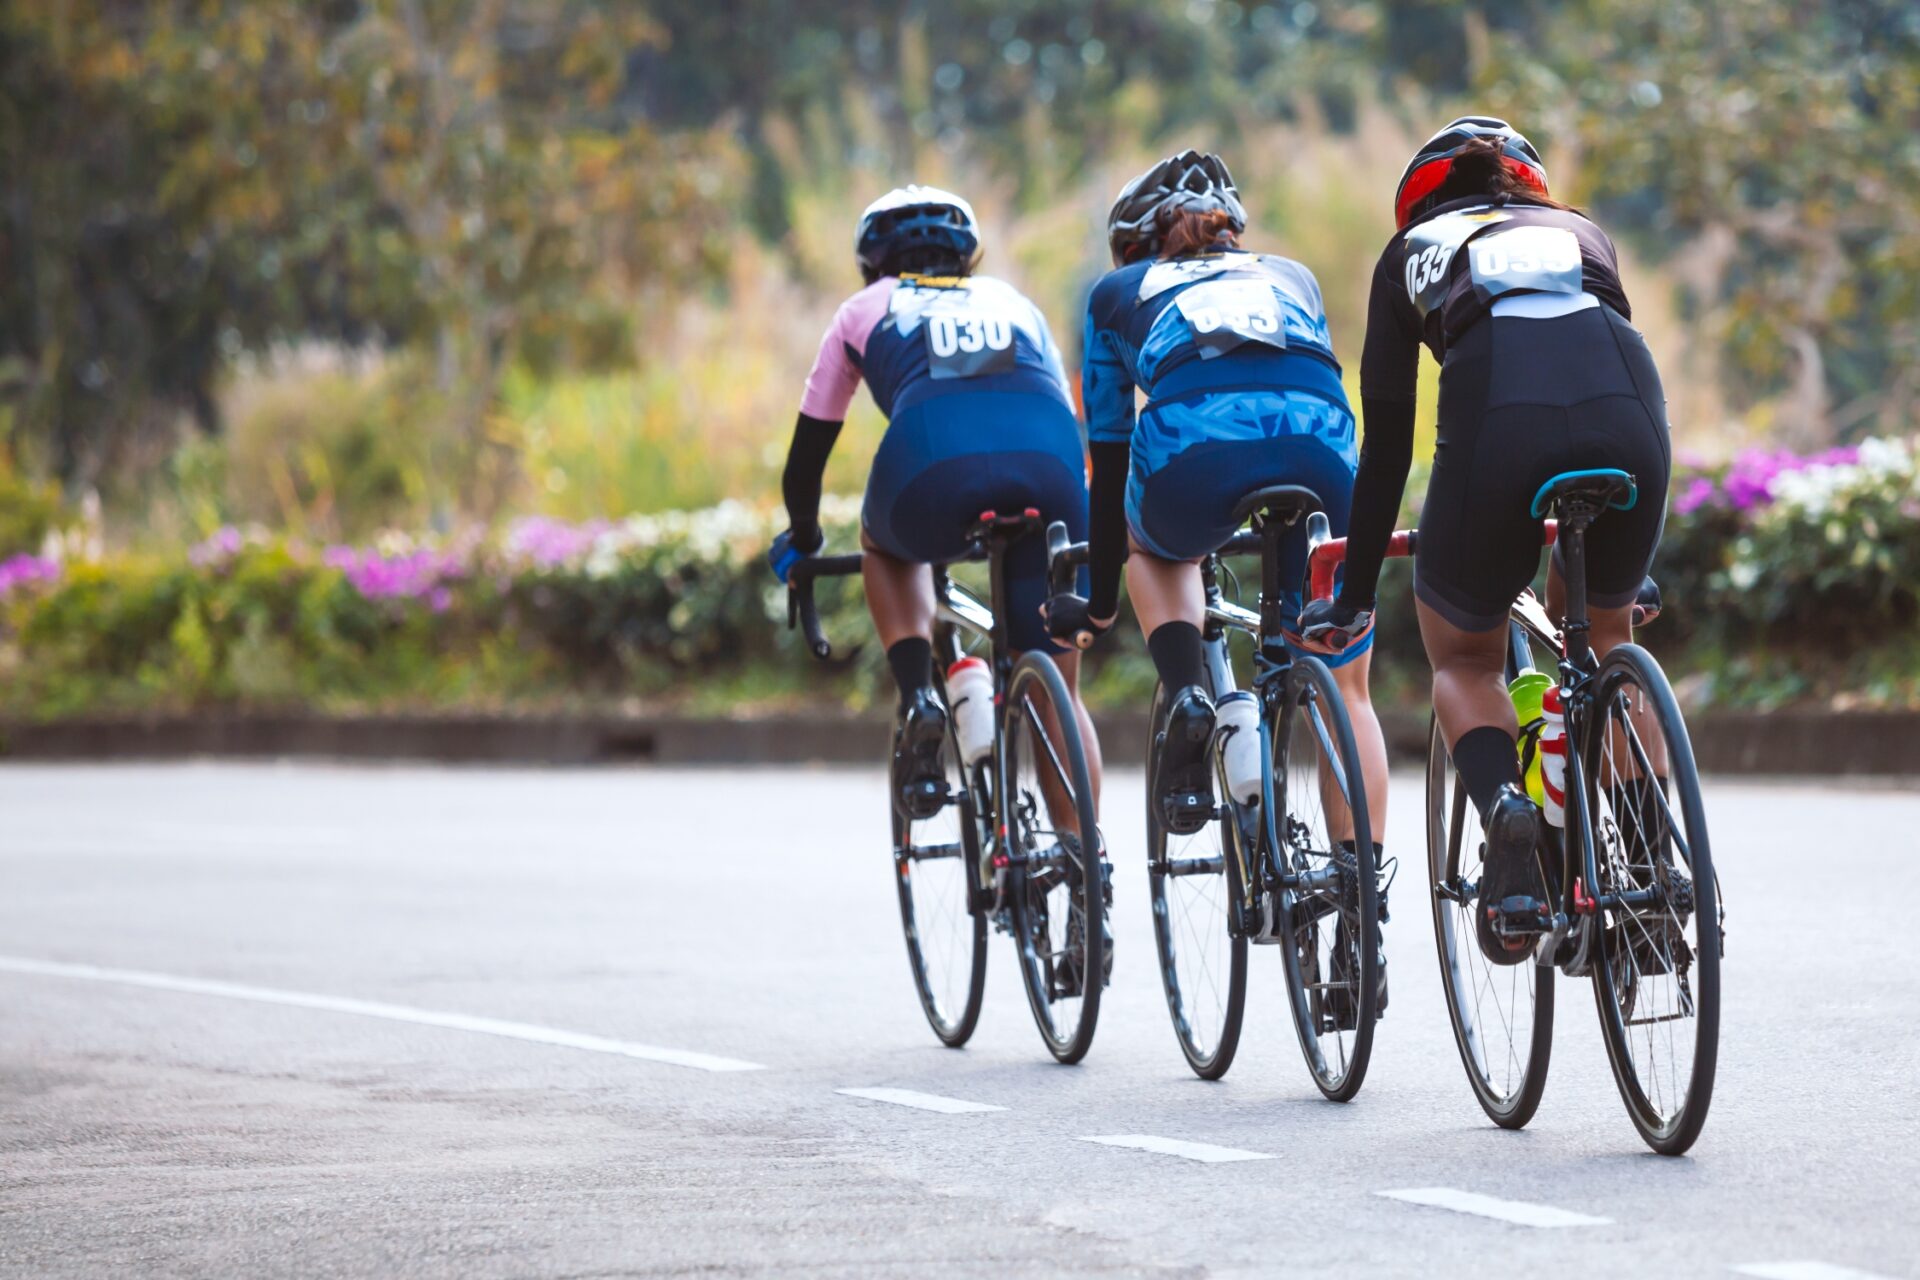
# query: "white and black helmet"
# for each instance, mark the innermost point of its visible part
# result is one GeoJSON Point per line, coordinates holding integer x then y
{"type": "Point", "coordinates": [1145, 206]}
{"type": "Point", "coordinates": [912, 227]}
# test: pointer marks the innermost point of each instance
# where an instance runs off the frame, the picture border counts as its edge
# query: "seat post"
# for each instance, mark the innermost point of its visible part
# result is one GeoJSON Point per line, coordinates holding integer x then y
{"type": "Point", "coordinates": [1272, 621]}
{"type": "Point", "coordinates": [1574, 626]}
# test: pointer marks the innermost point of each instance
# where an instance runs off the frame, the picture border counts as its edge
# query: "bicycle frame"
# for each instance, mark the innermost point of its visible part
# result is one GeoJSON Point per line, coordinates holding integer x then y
{"type": "Point", "coordinates": [1273, 661]}
{"type": "Point", "coordinates": [963, 612]}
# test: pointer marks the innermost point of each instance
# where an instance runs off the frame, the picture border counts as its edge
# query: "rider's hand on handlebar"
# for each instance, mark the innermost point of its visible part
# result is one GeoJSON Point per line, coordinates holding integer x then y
{"type": "Point", "coordinates": [1327, 626]}
{"type": "Point", "coordinates": [790, 548]}
{"type": "Point", "coordinates": [1069, 622]}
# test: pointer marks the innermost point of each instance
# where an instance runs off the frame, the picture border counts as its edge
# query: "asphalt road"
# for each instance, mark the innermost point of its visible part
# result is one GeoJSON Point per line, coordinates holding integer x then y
{"type": "Point", "coordinates": [457, 996]}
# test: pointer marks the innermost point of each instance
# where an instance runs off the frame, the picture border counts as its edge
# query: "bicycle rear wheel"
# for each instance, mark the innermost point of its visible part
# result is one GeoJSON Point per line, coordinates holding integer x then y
{"type": "Point", "coordinates": [1656, 977]}
{"type": "Point", "coordinates": [935, 862]}
{"type": "Point", "coordinates": [1502, 1015]}
{"type": "Point", "coordinates": [1203, 965]}
{"type": "Point", "coordinates": [1057, 877]}
{"type": "Point", "coordinates": [1331, 914]}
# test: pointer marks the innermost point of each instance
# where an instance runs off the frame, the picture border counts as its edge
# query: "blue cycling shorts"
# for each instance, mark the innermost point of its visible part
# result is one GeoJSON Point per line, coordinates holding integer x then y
{"type": "Point", "coordinates": [946, 459]}
{"type": "Point", "coordinates": [1180, 504]}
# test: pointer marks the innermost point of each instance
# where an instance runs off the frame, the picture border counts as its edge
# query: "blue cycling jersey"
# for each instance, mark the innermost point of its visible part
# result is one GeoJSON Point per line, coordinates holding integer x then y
{"type": "Point", "coordinates": [1148, 320]}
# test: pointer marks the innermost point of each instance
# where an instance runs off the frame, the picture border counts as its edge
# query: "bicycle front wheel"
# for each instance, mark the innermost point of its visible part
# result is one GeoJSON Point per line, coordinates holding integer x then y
{"type": "Point", "coordinates": [1057, 879]}
{"type": "Point", "coordinates": [1502, 1015]}
{"type": "Point", "coordinates": [1656, 977]}
{"type": "Point", "coordinates": [935, 863]}
{"type": "Point", "coordinates": [1203, 964]}
{"type": "Point", "coordinates": [1329, 905]}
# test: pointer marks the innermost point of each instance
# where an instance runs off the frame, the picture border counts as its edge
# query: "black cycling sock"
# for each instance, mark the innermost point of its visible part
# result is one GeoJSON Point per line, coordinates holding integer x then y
{"type": "Point", "coordinates": [912, 663]}
{"type": "Point", "coordinates": [1487, 759]}
{"type": "Point", "coordinates": [1179, 655]}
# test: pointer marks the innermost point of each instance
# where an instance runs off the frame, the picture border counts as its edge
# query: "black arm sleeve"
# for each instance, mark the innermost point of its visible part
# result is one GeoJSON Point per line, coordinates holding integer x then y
{"type": "Point", "coordinates": [800, 483]}
{"type": "Point", "coordinates": [1376, 496]}
{"type": "Point", "coordinates": [1107, 525]}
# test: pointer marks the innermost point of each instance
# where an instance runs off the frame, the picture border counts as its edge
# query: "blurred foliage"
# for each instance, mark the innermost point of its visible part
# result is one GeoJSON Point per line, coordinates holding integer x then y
{"type": "Point", "coordinates": [1773, 596]}
{"type": "Point", "coordinates": [193, 179]}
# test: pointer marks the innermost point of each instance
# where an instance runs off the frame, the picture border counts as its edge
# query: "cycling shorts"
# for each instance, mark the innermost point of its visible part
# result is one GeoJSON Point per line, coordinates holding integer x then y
{"type": "Point", "coordinates": [1183, 508]}
{"type": "Point", "coordinates": [947, 458]}
{"type": "Point", "coordinates": [1522, 400]}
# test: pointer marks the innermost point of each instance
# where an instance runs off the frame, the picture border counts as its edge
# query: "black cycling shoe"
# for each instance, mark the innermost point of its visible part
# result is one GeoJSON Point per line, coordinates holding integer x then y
{"type": "Point", "coordinates": [1183, 784]}
{"type": "Point", "coordinates": [1509, 879]}
{"type": "Point", "coordinates": [920, 777]}
{"type": "Point", "coordinates": [1341, 1008]}
{"type": "Point", "coordinates": [1657, 936]}
{"type": "Point", "coordinates": [1068, 967]}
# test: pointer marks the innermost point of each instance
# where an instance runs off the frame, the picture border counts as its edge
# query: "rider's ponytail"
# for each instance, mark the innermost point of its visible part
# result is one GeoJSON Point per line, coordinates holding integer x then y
{"type": "Point", "coordinates": [1481, 169]}
{"type": "Point", "coordinates": [1205, 232]}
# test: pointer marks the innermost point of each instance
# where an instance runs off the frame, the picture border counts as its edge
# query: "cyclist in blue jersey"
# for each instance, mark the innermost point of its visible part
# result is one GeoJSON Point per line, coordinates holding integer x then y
{"type": "Point", "coordinates": [1231, 351]}
{"type": "Point", "coordinates": [980, 417]}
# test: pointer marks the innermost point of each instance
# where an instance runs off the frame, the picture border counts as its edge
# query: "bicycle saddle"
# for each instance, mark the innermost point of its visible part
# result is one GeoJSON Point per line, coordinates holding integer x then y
{"type": "Point", "coordinates": [1592, 490]}
{"type": "Point", "coordinates": [1285, 503]}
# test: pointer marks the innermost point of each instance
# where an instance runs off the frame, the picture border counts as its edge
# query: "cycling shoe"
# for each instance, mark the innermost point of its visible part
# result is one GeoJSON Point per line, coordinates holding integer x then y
{"type": "Point", "coordinates": [1508, 871]}
{"type": "Point", "coordinates": [920, 776]}
{"type": "Point", "coordinates": [1183, 783]}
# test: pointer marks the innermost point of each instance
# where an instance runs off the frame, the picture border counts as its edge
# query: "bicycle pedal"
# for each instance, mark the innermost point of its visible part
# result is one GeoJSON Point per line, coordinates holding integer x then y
{"type": "Point", "coordinates": [1188, 812]}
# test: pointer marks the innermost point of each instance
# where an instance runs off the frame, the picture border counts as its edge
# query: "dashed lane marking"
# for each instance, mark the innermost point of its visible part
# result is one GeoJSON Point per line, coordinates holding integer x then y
{"type": "Point", "coordinates": [377, 1009]}
{"type": "Point", "coordinates": [1803, 1271]}
{"type": "Point", "coordinates": [923, 1101]}
{"type": "Point", "coordinates": [1204, 1152]}
{"type": "Point", "coordinates": [1516, 1211]}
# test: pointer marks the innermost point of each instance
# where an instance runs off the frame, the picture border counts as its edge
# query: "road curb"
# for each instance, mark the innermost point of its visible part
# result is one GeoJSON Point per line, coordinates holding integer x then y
{"type": "Point", "coordinates": [1780, 743]}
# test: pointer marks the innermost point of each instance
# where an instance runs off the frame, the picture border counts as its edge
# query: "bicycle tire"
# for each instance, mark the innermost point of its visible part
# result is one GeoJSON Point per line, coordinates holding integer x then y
{"type": "Point", "coordinates": [1179, 932]}
{"type": "Point", "coordinates": [1312, 708]}
{"type": "Point", "coordinates": [1644, 957]}
{"type": "Point", "coordinates": [1081, 883]}
{"type": "Point", "coordinates": [936, 900]}
{"type": "Point", "coordinates": [1510, 1092]}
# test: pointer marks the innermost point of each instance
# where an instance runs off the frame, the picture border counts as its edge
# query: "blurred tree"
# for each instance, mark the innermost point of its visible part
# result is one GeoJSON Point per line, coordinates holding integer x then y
{"type": "Point", "coordinates": [1769, 154]}
{"type": "Point", "coordinates": [193, 179]}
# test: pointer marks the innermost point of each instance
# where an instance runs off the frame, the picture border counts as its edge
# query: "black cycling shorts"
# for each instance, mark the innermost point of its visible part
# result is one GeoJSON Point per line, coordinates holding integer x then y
{"type": "Point", "coordinates": [1522, 400]}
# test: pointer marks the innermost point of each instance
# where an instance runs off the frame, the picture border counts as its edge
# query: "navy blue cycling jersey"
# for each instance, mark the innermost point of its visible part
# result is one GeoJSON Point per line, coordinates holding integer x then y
{"type": "Point", "coordinates": [919, 336]}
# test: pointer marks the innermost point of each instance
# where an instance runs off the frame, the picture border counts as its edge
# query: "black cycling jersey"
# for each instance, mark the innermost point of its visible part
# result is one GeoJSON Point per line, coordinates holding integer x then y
{"type": "Point", "coordinates": [1443, 272]}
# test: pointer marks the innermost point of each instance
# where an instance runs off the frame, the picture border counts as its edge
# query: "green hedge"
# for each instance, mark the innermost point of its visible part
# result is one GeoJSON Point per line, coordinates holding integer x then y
{"type": "Point", "coordinates": [1786, 579]}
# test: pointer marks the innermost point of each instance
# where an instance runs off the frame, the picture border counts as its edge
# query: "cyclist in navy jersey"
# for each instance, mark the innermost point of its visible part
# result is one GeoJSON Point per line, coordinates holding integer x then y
{"type": "Point", "coordinates": [1519, 298]}
{"type": "Point", "coordinates": [1232, 353]}
{"type": "Point", "coordinates": [980, 417]}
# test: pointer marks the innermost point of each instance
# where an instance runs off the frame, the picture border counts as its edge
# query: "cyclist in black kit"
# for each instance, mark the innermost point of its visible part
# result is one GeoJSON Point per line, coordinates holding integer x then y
{"type": "Point", "coordinates": [1519, 298]}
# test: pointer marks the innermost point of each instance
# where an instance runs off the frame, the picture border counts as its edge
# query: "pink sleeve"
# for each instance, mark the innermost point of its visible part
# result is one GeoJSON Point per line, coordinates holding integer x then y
{"type": "Point", "coordinates": [836, 371]}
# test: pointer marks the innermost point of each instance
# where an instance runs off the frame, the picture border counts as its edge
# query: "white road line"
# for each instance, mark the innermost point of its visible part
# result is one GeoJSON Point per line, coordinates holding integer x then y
{"type": "Point", "coordinates": [1803, 1271]}
{"type": "Point", "coordinates": [924, 1101]}
{"type": "Point", "coordinates": [1520, 1211]}
{"type": "Point", "coordinates": [377, 1009]}
{"type": "Point", "coordinates": [1204, 1152]}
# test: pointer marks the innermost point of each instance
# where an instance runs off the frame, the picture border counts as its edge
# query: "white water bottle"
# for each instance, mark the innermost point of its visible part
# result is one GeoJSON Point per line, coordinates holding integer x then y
{"type": "Point", "coordinates": [970, 702]}
{"type": "Point", "coordinates": [1553, 757]}
{"type": "Point", "coordinates": [1240, 711]}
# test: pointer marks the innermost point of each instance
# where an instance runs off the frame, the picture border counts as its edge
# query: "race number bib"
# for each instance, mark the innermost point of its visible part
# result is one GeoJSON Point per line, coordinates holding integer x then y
{"type": "Point", "coordinates": [1430, 249]}
{"type": "Point", "coordinates": [969, 331]}
{"type": "Point", "coordinates": [1537, 259]}
{"type": "Point", "coordinates": [1225, 314]}
{"type": "Point", "coordinates": [967, 344]}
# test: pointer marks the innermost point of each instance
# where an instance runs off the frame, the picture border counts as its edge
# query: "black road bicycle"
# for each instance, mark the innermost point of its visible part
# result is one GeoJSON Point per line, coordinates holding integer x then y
{"type": "Point", "coordinates": [1009, 838]}
{"type": "Point", "coordinates": [1627, 894]}
{"type": "Point", "coordinates": [1295, 868]}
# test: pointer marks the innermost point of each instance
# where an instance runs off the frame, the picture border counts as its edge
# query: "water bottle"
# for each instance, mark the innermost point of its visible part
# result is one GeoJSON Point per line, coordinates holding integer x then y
{"type": "Point", "coordinates": [1553, 757]}
{"type": "Point", "coordinates": [1240, 711]}
{"type": "Point", "coordinates": [970, 702]}
{"type": "Point", "coordinates": [1528, 691]}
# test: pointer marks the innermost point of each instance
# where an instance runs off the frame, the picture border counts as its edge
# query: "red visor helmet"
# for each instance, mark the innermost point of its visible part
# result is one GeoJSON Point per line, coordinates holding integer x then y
{"type": "Point", "coordinates": [1434, 161]}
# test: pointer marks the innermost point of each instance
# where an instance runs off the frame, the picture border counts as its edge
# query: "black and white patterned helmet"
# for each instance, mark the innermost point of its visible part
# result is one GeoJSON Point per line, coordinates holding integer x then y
{"type": "Point", "coordinates": [1145, 206]}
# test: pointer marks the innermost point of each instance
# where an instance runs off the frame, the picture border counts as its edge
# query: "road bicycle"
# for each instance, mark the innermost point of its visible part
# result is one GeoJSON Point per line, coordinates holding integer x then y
{"type": "Point", "coordinates": [1627, 894]}
{"type": "Point", "coordinates": [1008, 839]}
{"type": "Point", "coordinates": [1295, 867]}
